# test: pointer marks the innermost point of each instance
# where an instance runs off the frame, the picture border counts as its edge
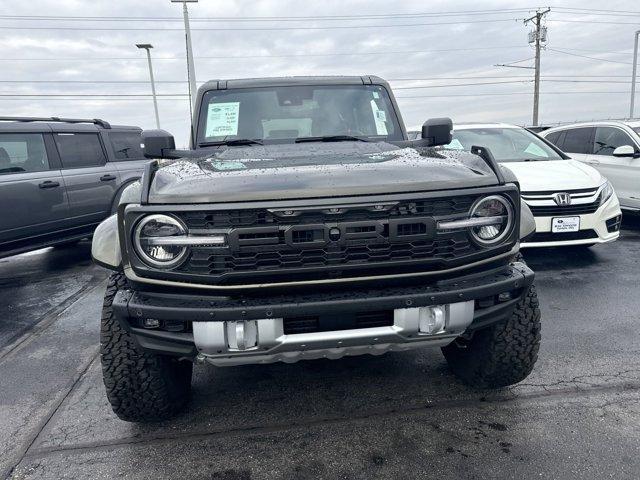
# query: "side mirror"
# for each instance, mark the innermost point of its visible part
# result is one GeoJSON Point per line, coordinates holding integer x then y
{"type": "Point", "coordinates": [624, 151]}
{"type": "Point", "coordinates": [437, 131]}
{"type": "Point", "coordinates": [157, 143]}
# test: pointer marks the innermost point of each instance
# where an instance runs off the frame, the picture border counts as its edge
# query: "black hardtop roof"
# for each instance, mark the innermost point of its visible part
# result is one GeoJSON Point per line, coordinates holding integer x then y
{"type": "Point", "coordinates": [291, 81]}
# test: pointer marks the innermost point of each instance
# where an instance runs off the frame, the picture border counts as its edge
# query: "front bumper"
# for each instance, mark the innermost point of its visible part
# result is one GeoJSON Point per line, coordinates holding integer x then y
{"type": "Point", "coordinates": [595, 224]}
{"type": "Point", "coordinates": [471, 302]}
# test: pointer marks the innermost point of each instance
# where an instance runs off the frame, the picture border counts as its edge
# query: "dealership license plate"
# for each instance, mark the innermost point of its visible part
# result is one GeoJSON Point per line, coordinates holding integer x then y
{"type": "Point", "coordinates": [565, 224]}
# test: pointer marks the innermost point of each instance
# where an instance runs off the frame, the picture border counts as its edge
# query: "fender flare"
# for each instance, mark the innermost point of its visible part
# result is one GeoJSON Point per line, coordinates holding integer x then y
{"type": "Point", "coordinates": [105, 247]}
{"type": "Point", "coordinates": [115, 201]}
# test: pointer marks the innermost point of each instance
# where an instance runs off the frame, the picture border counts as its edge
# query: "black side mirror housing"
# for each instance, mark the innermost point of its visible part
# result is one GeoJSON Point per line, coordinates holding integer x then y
{"type": "Point", "coordinates": [437, 131]}
{"type": "Point", "coordinates": [158, 144]}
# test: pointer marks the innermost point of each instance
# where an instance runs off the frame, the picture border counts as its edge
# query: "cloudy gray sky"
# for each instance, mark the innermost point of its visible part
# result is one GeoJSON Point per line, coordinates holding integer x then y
{"type": "Point", "coordinates": [423, 48]}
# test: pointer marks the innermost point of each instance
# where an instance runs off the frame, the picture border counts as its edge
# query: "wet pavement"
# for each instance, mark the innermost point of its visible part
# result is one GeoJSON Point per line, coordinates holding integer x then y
{"type": "Point", "coordinates": [401, 415]}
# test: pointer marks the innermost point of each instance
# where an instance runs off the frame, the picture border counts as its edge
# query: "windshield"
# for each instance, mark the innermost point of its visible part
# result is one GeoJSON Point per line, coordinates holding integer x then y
{"type": "Point", "coordinates": [506, 144]}
{"type": "Point", "coordinates": [284, 114]}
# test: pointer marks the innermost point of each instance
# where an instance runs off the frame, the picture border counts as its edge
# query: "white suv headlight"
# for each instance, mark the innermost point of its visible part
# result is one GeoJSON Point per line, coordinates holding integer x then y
{"type": "Point", "coordinates": [607, 191]}
{"type": "Point", "coordinates": [153, 242]}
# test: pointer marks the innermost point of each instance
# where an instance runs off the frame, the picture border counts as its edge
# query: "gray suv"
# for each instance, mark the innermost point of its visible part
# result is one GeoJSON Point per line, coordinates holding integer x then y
{"type": "Point", "coordinates": [304, 224]}
{"type": "Point", "coordinates": [59, 178]}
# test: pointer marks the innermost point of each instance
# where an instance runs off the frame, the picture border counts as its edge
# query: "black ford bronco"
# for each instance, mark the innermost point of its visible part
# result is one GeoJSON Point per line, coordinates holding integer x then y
{"type": "Point", "coordinates": [304, 224]}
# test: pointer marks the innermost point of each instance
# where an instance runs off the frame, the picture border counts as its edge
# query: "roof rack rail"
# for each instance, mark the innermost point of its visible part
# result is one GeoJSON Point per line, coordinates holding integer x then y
{"type": "Point", "coordinates": [95, 121]}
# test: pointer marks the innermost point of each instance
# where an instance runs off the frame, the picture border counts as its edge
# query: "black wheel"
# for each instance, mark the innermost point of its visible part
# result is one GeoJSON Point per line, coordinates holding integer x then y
{"type": "Point", "coordinates": [502, 354]}
{"type": "Point", "coordinates": [140, 386]}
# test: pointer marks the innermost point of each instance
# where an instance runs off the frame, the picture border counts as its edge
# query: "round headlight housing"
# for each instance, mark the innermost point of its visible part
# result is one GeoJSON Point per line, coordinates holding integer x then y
{"type": "Point", "coordinates": [151, 239]}
{"type": "Point", "coordinates": [495, 219]}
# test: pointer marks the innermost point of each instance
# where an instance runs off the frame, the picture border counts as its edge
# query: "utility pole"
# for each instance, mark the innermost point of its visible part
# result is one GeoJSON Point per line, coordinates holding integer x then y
{"type": "Point", "coordinates": [633, 75]}
{"type": "Point", "coordinates": [191, 69]}
{"type": "Point", "coordinates": [148, 47]}
{"type": "Point", "coordinates": [538, 33]}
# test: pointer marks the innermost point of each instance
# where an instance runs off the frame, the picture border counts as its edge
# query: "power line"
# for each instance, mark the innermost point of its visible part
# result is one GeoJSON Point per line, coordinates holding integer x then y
{"type": "Point", "coordinates": [425, 79]}
{"type": "Point", "coordinates": [519, 79]}
{"type": "Point", "coordinates": [83, 95]}
{"type": "Point", "coordinates": [463, 84]}
{"type": "Point", "coordinates": [228, 29]}
{"type": "Point", "coordinates": [242, 56]}
{"type": "Point", "coordinates": [578, 12]}
{"type": "Point", "coordinates": [586, 56]}
{"type": "Point", "coordinates": [145, 97]}
{"type": "Point", "coordinates": [491, 94]}
{"type": "Point", "coordinates": [591, 21]}
{"type": "Point", "coordinates": [599, 11]}
{"type": "Point", "coordinates": [265, 18]}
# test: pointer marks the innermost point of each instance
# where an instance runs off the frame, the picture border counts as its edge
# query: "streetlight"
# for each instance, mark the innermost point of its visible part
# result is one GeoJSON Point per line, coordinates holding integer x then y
{"type": "Point", "coordinates": [191, 69]}
{"type": "Point", "coordinates": [633, 78]}
{"type": "Point", "coordinates": [148, 47]}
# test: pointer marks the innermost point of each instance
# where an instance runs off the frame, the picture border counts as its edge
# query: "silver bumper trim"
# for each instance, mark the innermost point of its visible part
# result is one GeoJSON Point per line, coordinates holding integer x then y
{"type": "Point", "coordinates": [215, 345]}
{"type": "Point", "coordinates": [131, 275]}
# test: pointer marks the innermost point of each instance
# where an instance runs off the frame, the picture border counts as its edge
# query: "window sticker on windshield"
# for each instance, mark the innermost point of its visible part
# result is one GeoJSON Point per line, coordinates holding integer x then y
{"type": "Point", "coordinates": [454, 145]}
{"type": "Point", "coordinates": [376, 95]}
{"type": "Point", "coordinates": [227, 165]}
{"type": "Point", "coordinates": [534, 149]}
{"type": "Point", "coordinates": [380, 117]}
{"type": "Point", "coordinates": [222, 119]}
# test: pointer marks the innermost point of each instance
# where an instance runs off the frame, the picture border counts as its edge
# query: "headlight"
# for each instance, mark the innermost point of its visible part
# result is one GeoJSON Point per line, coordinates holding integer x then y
{"type": "Point", "coordinates": [494, 217]}
{"type": "Point", "coordinates": [607, 191]}
{"type": "Point", "coordinates": [153, 242]}
{"type": "Point", "coordinates": [490, 221]}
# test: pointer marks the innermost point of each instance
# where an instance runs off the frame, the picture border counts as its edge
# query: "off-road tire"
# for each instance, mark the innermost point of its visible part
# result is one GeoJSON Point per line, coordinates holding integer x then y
{"type": "Point", "coordinates": [140, 386]}
{"type": "Point", "coordinates": [502, 354]}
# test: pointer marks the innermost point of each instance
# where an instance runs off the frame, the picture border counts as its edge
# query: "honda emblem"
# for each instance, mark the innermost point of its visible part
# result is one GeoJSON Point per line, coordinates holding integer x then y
{"type": "Point", "coordinates": [562, 199]}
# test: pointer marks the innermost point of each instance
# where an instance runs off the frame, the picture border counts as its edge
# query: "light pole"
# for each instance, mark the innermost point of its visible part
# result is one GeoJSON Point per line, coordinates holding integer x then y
{"type": "Point", "coordinates": [633, 75]}
{"type": "Point", "coordinates": [148, 47]}
{"type": "Point", "coordinates": [191, 69]}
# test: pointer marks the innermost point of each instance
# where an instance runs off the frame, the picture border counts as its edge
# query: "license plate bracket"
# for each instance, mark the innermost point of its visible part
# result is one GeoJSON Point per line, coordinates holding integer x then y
{"type": "Point", "coordinates": [565, 224]}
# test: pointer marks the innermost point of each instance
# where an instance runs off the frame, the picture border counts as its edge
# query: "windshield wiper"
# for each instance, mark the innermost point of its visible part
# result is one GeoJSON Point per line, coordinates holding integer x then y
{"type": "Point", "coordinates": [331, 138]}
{"type": "Point", "coordinates": [236, 141]}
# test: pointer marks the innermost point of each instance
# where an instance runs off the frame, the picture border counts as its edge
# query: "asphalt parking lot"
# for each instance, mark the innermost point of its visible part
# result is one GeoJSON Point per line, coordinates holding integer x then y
{"type": "Point", "coordinates": [402, 415]}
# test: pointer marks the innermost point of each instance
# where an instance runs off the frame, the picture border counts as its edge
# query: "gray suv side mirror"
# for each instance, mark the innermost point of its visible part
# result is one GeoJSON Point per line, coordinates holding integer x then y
{"type": "Point", "coordinates": [624, 151]}
{"type": "Point", "coordinates": [437, 131]}
{"type": "Point", "coordinates": [158, 143]}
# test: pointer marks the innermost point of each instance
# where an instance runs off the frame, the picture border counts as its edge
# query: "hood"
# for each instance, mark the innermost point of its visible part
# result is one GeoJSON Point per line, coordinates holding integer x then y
{"type": "Point", "coordinates": [556, 175]}
{"type": "Point", "coordinates": [279, 172]}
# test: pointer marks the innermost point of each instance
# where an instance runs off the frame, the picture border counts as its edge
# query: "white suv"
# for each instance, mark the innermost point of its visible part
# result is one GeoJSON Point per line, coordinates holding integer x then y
{"type": "Point", "coordinates": [611, 147]}
{"type": "Point", "coordinates": [573, 204]}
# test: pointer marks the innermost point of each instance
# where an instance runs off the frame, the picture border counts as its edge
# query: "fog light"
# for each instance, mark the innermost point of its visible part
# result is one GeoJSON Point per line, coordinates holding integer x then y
{"type": "Point", "coordinates": [504, 296]}
{"type": "Point", "coordinates": [242, 335]}
{"type": "Point", "coordinates": [432, 319]}
{"type": "Point", "coordinates": [151, 323]}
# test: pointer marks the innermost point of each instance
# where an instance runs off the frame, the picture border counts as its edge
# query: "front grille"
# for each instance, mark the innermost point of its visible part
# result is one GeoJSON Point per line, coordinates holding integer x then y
{"type": "Point", "coordinates": [364, 237]}
{"type": "Point", "coordinates": [551, 209]}
{"type": "Point", "coordinates": [268, 258]}
{"type": "Point", "coordinates": [563, 237]}
{"type": "Point", "coordinates": [330, 323]}
{"type": "Point", "coordinates": [556, 211]}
